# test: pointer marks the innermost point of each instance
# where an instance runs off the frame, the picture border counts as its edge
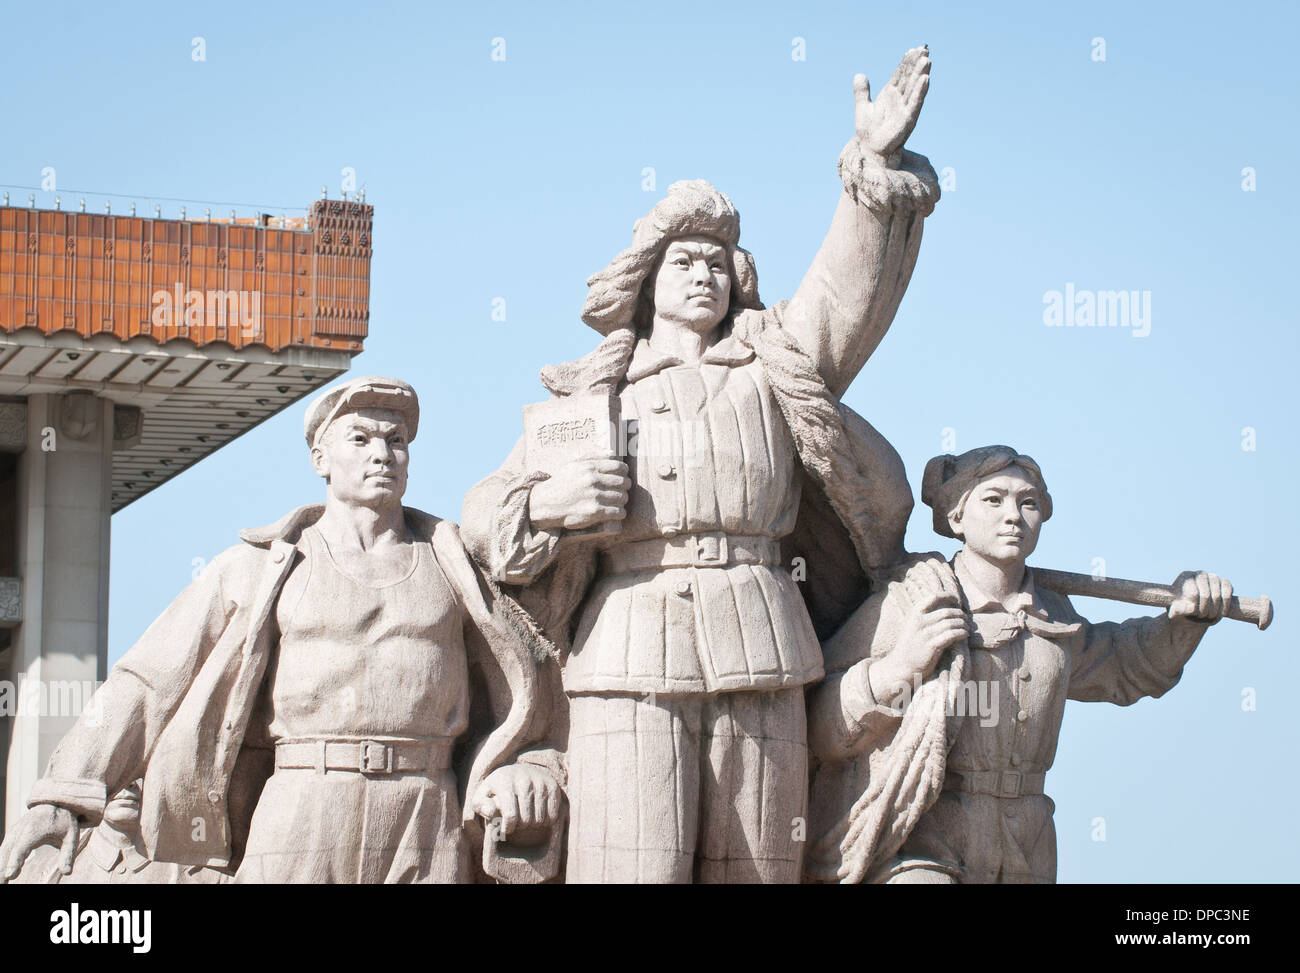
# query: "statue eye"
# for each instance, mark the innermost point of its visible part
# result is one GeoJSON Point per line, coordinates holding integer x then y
{"type": "Point", "coordinates": [994, 499]}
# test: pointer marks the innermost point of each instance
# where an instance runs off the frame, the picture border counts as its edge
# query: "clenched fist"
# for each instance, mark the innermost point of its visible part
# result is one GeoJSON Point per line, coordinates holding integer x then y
{"type": "Point", "coordinates": [520, 796]}
{"type": "Point", "coordinates": [1202, 597]}
{"type": "Point", "coordinates": [583, 493]}
{"type": "Point", "coordinates": [933, 626]}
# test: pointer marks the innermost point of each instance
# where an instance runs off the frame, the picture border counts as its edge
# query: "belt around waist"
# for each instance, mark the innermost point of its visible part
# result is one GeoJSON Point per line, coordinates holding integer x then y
{"type": "Point", "coordinates": [710, 549]}
{"type": "Point", "coordinates": [997, 783]}
{"type": "Point", "coordinates": [364, 756]}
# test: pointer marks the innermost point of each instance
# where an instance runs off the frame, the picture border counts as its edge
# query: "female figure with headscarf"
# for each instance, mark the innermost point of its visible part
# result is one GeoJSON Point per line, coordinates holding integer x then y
{"type": "Point", "coordinates": [688, 639]}
{"type": "Point", "coordinates": [940, 712]}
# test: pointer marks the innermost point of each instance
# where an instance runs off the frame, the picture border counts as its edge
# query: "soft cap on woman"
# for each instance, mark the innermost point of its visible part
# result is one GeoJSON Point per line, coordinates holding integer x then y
{"type": "Point", "coordinates": [948, 479]}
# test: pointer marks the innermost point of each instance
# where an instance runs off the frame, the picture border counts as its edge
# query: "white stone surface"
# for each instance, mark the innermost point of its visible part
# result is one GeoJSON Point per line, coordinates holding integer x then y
{"type": "Point", "coordinates": [688, 642]}
{"type": "Point", "coordinates": [312, 707]}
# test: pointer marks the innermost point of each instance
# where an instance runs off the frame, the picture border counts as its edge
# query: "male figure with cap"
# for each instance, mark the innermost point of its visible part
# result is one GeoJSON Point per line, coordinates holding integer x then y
{"type": "Point", "coordinates": [297, 711]}
{"type": "Point", "coordinates": [918, 781]}
{"type": "Point", "coordinates": [689, 641]}
{"type": "Point", "coordinates": [113, 854]}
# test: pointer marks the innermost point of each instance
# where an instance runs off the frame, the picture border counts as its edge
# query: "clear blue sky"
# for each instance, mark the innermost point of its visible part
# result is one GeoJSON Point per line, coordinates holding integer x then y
{"type": "Point", "coordinates": [519, 178]}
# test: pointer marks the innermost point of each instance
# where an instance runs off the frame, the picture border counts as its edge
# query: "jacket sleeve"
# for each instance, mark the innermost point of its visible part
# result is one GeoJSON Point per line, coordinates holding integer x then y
{"type": "Point", "coordinates": [1122, 662]}
{"type": "Point", "coordinates": [109, 745]}
{"type": "Point", "coordinates": [497, 528]}
{"type": "Point", "coordinates": [844, 717]}
{"type": "Point", "coordinates": [849, 296]}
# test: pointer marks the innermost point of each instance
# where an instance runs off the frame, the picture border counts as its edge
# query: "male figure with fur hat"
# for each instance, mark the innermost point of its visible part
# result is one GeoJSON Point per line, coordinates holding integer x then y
{"type": "Point", "coordinates": [300, 710]}
{"type": "Point", "coordinates": [918, 782]}
{"type": "Point", "coordinates": [690, 638]}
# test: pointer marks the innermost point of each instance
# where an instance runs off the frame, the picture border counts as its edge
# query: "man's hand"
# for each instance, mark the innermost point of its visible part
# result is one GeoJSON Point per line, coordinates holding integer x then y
{"type": "Point", "coordinates": [1203, 597]}
{"type": "Point", "coordinates": [44, 824]}
{"type": "Point", "coordinates": [583, 493]}
{"type": "Point", "coordinates": [520, 795]}
{"type": "Point", "coordinates": [884, 124]}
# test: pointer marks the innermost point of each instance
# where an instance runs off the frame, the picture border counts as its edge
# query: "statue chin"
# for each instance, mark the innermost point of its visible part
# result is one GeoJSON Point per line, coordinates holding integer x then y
{"type": "Point", "coordinates": [122, 820]}
{"type": "Point", "coordinates": [701, 321]}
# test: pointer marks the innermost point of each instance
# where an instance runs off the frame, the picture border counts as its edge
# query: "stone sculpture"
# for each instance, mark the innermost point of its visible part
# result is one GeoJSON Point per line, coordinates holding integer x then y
{"type": "Point", "coordinates": [321, 703]}
{"type": "Point", "coordinates": [691, 533]}
{"type": "Point", "coordinates": [687, 641]}
{"type": "Point", "coordinates": [113, 854]}
{"type": "Point", "coordinates": [944, 694]}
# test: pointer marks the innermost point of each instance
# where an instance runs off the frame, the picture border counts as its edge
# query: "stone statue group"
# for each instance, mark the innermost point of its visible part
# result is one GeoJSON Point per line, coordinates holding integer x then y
{"type": "Point", "coordinates": [691, 649]}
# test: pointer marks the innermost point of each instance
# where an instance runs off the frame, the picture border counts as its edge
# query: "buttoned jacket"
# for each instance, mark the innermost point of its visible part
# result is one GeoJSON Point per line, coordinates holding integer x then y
{"type": "Point", "coordinates": [1025, 660]}
{"type": "Point", "coordinates": [745, 466]}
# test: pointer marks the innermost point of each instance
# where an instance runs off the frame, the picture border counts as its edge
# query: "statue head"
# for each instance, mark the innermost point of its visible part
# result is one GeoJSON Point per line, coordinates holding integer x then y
{"type": "Point", "coordinates": [122, 812]}
{"type": "Point", "coordinates": [685, 263]}
{"type": "Point", "coordinates": [691, 283]}
{"type": "Point", "coordinates": [992, 499]}
{"type": "Point", "coordinates": [360, 434]}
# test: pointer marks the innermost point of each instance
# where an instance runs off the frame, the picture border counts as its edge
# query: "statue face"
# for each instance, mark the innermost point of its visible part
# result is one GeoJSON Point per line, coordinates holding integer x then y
{"type": "Point", "coordinates": [692, 283]}
{"type": "Point", "coordinates": [1002, 517]}
{"type": "Point", "coordinates": [364, 457]}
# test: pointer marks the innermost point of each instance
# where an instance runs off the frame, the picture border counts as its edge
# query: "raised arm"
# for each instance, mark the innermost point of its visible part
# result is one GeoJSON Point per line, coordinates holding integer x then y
{"type": "Point", "coordinates": [849, 296]}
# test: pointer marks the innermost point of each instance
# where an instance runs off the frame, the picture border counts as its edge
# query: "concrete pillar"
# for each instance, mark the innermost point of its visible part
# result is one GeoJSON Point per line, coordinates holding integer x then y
{"type": "Point", "coordinates": [60, 649]}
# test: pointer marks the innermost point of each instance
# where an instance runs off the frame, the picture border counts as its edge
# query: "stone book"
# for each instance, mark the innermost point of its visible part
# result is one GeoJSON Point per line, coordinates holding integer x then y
{"type": "Point", "coordinates": [576, 426]}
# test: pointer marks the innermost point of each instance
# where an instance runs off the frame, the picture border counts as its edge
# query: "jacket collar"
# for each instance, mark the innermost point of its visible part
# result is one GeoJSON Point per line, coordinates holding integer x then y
{"type": "Point", "coordinates": [106, 855]}
{"type": "Point", "coordinates": [289, 528]}
{"type": "Point", "coordinates": [729, 351]}
{"type": "Point", "coordinates": [996, 624]}
{"type": "Point", "coordinates": [1026, 599]}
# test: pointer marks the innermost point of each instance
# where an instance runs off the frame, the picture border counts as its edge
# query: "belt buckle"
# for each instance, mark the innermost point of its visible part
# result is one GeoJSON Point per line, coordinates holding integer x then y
{"type": "Point", "coordinates": [1009, 783]}
{"type": "Point", "coordinates": [376, 758]}
{"type": "Point", "coordinates": [710, 550]}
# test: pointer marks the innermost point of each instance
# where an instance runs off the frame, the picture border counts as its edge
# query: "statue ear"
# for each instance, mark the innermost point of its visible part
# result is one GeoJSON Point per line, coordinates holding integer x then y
{"type": "Point", "coordinates": [320, 462]}
{"type": "Point", "coordinates": [954, 524]}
